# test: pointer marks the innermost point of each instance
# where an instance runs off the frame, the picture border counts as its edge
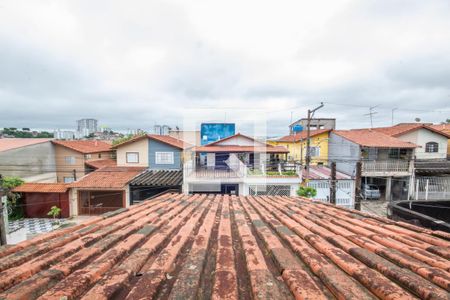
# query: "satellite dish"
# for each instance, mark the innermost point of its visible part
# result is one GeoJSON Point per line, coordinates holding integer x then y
{"type": "Point", "coordinates": [297, 128]}
{"type": "Point", "coordinates": [417, 119]}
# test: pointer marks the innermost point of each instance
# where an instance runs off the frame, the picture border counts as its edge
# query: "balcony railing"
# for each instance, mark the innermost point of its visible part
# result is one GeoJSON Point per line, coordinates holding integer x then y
{"type": "Point", "coordinates": [386, 166]}
{"type": "Point", "coordinates": [241, 170]}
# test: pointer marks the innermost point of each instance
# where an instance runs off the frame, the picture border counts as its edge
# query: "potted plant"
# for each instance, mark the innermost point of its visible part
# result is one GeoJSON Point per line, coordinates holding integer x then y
{"type": "Point", "coordinates": [54, 212]}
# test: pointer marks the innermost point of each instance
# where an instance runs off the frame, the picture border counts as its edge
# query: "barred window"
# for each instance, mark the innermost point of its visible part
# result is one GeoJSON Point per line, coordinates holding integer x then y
{"type": "Point", "coordinates": [431, 147]}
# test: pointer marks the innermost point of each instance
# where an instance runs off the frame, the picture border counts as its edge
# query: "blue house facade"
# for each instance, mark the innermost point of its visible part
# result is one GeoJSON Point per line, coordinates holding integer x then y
{"type": "Point", "coordinates": [162, 156]}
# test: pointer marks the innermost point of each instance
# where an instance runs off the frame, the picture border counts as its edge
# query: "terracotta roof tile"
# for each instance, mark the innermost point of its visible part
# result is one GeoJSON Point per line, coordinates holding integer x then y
{"type": "Point", "coordinates": [301, 135]}
{"type": "Point", "coordinates": [100, 163]}
{"type": "Point", "coordinates": [108, 177]}
{"type": "Point", "coordinates": [403, 128]}
{"type": "Point", "coordinates": [41, 188]}
{"type": "Point", "coordinates": [227, 247]}
{"type": "Point", "coordinates": [13, 143]}
{"type": "Point", "coordinates": [85, 147]}
{"type": "Point", "coordinates": [373, 138]}
{"type": "Point", "coordinates": [180, 144]}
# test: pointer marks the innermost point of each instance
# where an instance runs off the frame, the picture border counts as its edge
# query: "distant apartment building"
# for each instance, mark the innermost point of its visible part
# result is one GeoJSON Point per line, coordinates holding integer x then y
{"type": "Point", "coordinates": [315, 124]}
{"type": "Point", "coordinates": [87, 126]}
{"type": "Point", "coordinates": [64, 134]}
{"type": "Point", "coordinates": [32, 159]}
{"type": "Point", "coordinates": [161, 129]}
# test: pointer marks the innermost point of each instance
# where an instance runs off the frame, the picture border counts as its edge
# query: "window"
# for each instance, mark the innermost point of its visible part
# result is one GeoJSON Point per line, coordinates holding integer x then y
{"type": "Point", "coordinates": [70, 160]}
{"type": "Point", "coordinates": [99, 155]}
{"type": "Point", "coordinates": [68, 179]}
{"type": "Point", "coordinates": [164, 158]}
{"type": "Point", "coordinates": [314, 151]}
{"type": "Point", "coordinates": [431, 147]}
{"type": "Point", "coordinates": [132, 157]}
{"type": "Point", "coordinates": [88, 156]}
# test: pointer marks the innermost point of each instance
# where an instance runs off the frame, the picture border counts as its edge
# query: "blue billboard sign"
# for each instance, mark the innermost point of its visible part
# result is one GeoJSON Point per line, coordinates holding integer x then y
{"type": "Point", "coordinates": [211, 132]}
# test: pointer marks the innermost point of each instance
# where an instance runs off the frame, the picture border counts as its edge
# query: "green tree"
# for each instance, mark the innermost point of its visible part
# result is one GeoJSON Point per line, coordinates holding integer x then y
{"type": "Point", "coordinates": [306, 191]}
{"type": "Point", "coordinates": [8, 183]}
{"type": "Point", "coordinates": [126, 138]}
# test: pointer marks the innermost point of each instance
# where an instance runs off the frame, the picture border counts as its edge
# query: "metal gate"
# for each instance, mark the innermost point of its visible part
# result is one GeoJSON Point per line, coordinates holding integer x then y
{"type": "Point", "coordinates": [432, 188]}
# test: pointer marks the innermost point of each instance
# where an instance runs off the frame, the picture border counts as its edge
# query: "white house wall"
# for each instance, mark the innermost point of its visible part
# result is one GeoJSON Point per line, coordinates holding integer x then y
{"type": "Point", "coordinates": [422, 136]}
{"type": "Point", "coordinates": [239, 140]}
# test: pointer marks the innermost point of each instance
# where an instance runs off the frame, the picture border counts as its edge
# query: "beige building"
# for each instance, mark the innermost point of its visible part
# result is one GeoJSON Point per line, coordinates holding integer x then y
{"type": "Point", "coordinates": [189, 136]}
{"type": "Point", "coordinates": [71, 157]}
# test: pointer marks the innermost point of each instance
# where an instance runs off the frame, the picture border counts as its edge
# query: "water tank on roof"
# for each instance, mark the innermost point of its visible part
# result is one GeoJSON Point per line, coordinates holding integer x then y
{"type": "Point", "coordinates": [297, 128]}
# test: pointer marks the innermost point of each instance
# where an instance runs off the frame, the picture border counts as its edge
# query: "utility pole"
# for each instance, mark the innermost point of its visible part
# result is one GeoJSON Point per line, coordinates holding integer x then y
{"type": "Point", "coordinates": [394, 109]}
{"type": "Point", "coordinates": [333, 184]}
{"type": "Point", "coordinates": [358, 186]}
{"type": "Point", "coordinates": [371, 113]}
{"type": "Point", "coordinates": [308, 137]}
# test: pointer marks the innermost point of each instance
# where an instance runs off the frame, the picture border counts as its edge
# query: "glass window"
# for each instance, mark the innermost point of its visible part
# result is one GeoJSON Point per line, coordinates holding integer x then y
{"type": "Point", "coordinates": [431, 147]}
{"type": "Point", "coordinates": [314, 151]}
{"type": "Point", "coordinates": [132, 157]}
{"type": "Point", "coordinates": [70, 160]}
{"type": "Point", "coordinates": [164, 158]}
{"type": "Point", "coordinates": [68, 179]}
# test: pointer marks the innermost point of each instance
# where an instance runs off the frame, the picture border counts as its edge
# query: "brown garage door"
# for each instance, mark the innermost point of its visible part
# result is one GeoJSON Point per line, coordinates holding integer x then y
{"type": "Point", "coordinates": [99, 202]}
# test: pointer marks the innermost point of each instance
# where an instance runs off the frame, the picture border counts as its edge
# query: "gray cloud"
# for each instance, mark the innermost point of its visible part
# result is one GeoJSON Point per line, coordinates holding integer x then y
{"type": "Point", "coordinates": [157, 61]}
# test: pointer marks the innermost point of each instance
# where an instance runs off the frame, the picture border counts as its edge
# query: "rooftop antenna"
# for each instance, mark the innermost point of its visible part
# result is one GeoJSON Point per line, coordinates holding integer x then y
{"type": "Point", "coordinates": [371, 113]}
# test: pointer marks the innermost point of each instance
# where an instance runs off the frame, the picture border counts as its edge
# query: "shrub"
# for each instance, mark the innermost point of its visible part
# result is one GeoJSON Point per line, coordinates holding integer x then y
{"type": "Point", "coordinates": [306, 191]}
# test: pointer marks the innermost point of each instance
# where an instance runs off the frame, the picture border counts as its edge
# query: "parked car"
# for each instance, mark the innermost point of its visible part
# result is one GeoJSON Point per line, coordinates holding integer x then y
{"type": "Point", "coordinates": [371, 191]}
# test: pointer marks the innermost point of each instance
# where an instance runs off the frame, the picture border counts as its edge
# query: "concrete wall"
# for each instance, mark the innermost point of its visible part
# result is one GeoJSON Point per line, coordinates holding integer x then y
{"type": "Point", "coordinates": [140, 146]}
{"type": "Point", "coordinates": [423, 136]}
{"type": "Point", "coordinates": [33, 163]}
{"type": "Point", "coordinates": [156, 146]}
{"type": "Point", "coordinates": [340, 149]}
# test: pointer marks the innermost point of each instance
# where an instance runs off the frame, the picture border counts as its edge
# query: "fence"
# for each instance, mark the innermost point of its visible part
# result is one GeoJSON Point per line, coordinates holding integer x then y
{"type": "Point", "coordinates": [396, 165]}
{"type": "Point", "coordinates": [432, 188]}
{"type": "Point", "coordinates": [344, 192]}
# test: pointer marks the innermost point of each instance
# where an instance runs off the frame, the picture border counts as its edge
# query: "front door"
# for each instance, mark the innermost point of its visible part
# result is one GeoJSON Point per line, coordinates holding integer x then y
{"type": "Point", "coordinates": [230, 189]}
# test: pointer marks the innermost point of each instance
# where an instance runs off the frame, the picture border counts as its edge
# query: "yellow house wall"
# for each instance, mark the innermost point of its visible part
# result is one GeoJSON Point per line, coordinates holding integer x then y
{"type": "Point", "coordinates": [295, 148]}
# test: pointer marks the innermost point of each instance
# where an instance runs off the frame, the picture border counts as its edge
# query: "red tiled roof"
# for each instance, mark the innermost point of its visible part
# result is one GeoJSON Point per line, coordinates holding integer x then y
{"type": "Point", "coordinates": [29, 187]}
{"type": "Point", "coordinates": [234, 136]}
{"type": "Point", "coordinates": [13, 143]}
{"type": "Point", "coordinates": [108, 177]}
{"type": "Point", "coordinates": [177, 143]}
{"type": "Point", "coordinates": [100, 163]}
{"type": "Point", "coordinates": [264, 147]}
{"type": "Point", "coordinates": [403, 128]}
{"type": "Point", "coordinates": [271, 149]}
{"type": "Point", "coordinates": [221, 247]}
{"type": "Point", "coordinates": [373, 138]}
{"type": "Point", "coordinates": [442, 127]}
{"type": "Point", "coordinates": [301, 135]}
{"type": "Point", "coordinates": [85, 147]}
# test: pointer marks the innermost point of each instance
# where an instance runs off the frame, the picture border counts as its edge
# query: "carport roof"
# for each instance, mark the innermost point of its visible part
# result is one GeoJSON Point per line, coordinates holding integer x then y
{"type": "Point", "coordinates": [159, 178]}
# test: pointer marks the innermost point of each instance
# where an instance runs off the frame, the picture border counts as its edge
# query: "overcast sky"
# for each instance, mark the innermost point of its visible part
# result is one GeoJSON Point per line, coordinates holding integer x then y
{"type": "Point", "coordinates": [133, 64]}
